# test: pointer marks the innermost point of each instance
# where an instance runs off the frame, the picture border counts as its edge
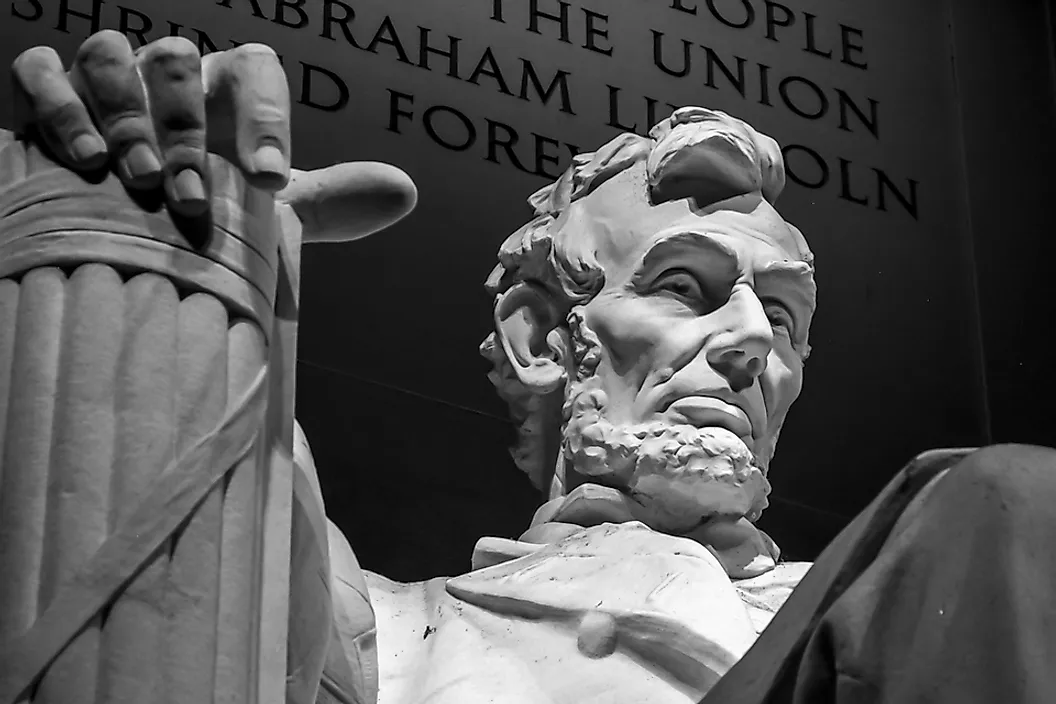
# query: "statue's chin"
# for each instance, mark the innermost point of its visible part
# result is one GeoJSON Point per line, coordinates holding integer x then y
{"type": "Point", "coordinates": [679, 501]}
{"type": "Point", "coordinates": [671, 477]}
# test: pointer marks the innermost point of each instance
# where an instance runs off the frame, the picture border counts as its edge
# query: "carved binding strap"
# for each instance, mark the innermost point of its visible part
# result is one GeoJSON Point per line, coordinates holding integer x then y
{"type": "Point", "coordinates": [146, 395]}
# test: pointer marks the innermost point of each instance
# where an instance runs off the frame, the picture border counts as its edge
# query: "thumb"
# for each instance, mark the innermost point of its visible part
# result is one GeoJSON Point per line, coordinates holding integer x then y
{"type": "Point", "coordinates": [348, 201]}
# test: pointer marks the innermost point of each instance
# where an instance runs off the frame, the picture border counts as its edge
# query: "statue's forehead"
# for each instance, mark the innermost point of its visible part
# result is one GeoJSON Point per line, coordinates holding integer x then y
{"type": "Point", "coordinates": [620, 225]}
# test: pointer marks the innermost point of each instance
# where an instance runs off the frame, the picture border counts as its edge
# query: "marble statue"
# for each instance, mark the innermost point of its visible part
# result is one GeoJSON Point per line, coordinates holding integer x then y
{"type": "Point", "coordinates": [651, 325]}
{"type": "Point", "coordinates": [650, 329]}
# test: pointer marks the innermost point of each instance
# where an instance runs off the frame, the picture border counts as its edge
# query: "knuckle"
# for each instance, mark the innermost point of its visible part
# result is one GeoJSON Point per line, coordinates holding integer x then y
{"type": "Point", "coordinates": [128, 126]}
{"type": "Point", "coordinates": [233, 65]}
{"type": "Point", "coordinates": [63, 117]}
{"type": "Point", "coordinates": [179, 117]}
{"type": "Point", "coordinates": [169, 49]}
{"type": "Point", "coordinates": [267, 117]}
{"type": "Point", "coordinates": [107, 46]}
{"type": "Point", "coordinates": [254, 50]}
{"type": "Point", "coordinates": [116, 96]}
{"type": "Point", "coordinates": [182, 155]}
{"type": "Point", "coordinates": [31, 63]}
{"type": "Point", "coordinates": [184, 140]}
{"type": "Point", "coordinates": [249, 70]}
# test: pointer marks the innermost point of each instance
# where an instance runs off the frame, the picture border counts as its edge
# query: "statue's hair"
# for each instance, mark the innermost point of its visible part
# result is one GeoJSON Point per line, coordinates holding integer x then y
{"type": "Point", "coordinates": [682, 156]}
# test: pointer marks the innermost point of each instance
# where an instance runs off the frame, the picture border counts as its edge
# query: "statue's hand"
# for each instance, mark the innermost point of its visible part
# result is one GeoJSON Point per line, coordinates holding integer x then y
{"type": "Point", "coordinates": [154, 113]}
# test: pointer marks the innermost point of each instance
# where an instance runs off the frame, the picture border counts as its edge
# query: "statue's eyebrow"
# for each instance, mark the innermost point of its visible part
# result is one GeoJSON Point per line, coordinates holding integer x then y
{"type": "Point", "coordinates": [792, 284]}
{"type": "Point", "coordinates": [790, 277]}
{"type": "Point", "coordinates": [704, 254]}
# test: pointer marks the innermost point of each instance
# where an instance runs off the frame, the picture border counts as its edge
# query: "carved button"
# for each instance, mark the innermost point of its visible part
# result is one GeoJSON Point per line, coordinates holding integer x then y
{"type": "Point", "coordinates": [597, 634]}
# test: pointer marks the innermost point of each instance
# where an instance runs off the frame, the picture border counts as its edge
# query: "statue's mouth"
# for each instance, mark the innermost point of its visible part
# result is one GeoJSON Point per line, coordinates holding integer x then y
{"type": "Point", "coordinates": [712, 412]}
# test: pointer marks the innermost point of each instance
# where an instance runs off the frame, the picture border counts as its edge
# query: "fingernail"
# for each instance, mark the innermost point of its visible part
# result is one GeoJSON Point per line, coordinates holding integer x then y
{"type": "Point", "coordinates": [87, 147]}
{"type": "Point", "coordinates": [140, 163]}
{"type": "Point", "coordinates": [189, 190]}
{"type": "Point", "coordinates": [269, 160]}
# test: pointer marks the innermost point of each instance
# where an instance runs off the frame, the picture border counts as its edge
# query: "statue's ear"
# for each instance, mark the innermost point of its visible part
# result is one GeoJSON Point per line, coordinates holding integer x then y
{"type": "Point", "coordinates": [528, 326]}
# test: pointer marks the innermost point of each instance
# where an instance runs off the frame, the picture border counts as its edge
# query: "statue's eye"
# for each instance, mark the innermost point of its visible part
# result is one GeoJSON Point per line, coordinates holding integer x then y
{"type": "Point", "coordinates": [779, 316]}
{"type": "Point", "coordinates": [681, 283]}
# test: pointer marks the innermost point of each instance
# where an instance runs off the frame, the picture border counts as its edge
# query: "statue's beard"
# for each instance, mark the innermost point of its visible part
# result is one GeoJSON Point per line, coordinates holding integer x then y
{"type": "Point", "coordinates": [676, 476]}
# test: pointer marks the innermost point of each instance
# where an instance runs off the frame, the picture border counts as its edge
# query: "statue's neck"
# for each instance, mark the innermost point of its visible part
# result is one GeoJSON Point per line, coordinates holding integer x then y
{"type": "Point", "coordinates": [744, 550]}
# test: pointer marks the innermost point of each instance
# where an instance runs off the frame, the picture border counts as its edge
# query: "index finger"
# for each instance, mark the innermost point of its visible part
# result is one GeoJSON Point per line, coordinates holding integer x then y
{"type": "Point", "coordinates": [248, 101]}
{"type": "Point", "coordinates": [45, 100]}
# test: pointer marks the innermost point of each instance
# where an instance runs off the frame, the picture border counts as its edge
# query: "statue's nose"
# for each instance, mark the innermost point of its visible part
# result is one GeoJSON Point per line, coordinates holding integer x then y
{"type": "Point", "coordinates": [739, 350]}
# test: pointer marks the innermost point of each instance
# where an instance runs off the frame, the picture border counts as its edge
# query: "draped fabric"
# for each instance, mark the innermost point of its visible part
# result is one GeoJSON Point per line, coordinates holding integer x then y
{"type": "Point", "coordinates": [940, 591]}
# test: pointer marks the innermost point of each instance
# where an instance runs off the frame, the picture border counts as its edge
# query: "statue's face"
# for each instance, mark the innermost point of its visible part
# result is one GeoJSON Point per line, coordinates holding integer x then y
{"type": "Point", "coordinates": [702, 325]}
